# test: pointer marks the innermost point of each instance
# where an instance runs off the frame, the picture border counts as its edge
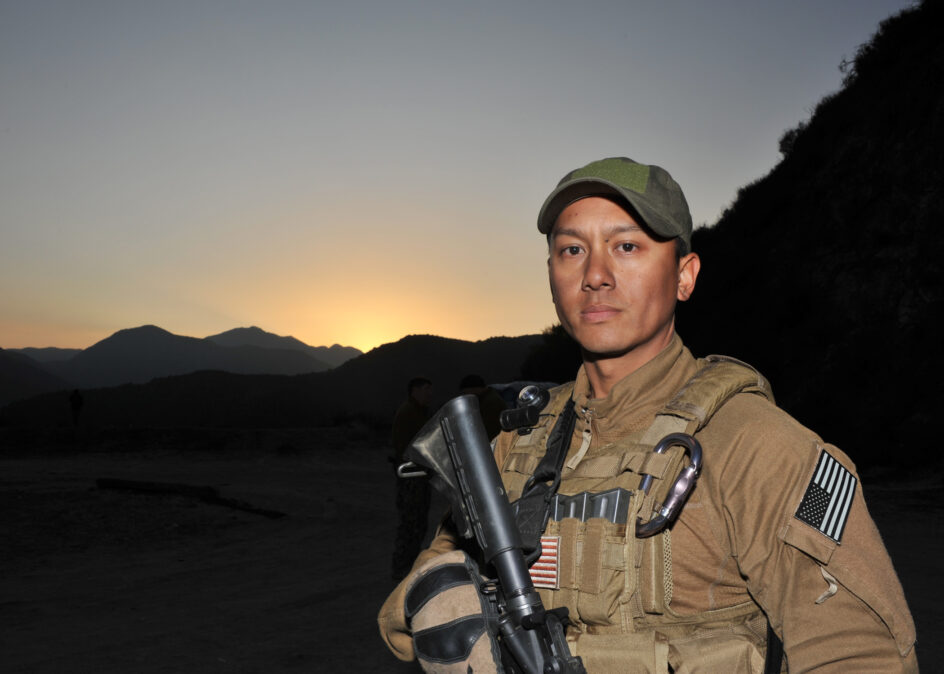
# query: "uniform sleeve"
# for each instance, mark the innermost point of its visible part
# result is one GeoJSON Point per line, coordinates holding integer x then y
{"type": "Point", "coordinates": [798, 525]}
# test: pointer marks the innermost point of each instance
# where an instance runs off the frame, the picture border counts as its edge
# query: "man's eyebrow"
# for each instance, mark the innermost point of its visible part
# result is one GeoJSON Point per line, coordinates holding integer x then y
{"type": "Point", "coordinates": [566, 231]}
{"type": "Point", "coordinates": [610, 231]}
{"type": "Point", "coordinates": [622, 229]}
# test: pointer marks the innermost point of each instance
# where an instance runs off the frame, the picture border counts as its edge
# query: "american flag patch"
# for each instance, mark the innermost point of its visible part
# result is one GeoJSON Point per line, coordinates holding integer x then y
{"type": "Point", "coordinates": [828, 498]}
{"type": "Point", "coordinates": [544, 570]}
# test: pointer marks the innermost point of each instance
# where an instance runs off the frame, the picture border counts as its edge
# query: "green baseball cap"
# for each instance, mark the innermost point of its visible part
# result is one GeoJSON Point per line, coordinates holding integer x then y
{"type": "Point", "coordinates": [649, 192]}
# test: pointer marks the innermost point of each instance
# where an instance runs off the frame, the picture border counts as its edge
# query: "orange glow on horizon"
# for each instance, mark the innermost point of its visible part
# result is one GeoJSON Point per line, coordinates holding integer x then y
{"type": "Point", "coordinates": [364, 296]}
{"type": "Point", "coordinates": [364, 338]}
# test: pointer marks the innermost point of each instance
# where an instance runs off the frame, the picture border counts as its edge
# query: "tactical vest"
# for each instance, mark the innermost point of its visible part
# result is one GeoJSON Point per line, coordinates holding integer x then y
{"type": "Point", "coordinates": [618, 587]}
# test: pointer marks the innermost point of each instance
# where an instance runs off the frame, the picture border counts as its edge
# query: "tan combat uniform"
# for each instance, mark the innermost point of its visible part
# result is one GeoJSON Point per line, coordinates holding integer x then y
{"type": "Point", "coordinates": [692, 598]}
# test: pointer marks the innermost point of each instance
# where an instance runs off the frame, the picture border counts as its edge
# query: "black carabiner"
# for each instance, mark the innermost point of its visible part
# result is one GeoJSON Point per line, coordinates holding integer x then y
{"type": "Point", "coordinates": [680, 489]}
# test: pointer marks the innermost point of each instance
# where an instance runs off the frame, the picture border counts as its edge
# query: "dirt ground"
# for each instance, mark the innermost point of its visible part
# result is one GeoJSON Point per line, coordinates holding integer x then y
{"type": "Point", "coordinates": [113, 581]}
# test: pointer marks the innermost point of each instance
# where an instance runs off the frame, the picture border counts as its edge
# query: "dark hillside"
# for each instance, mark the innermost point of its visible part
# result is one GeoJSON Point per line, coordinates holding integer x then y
{"type": "Point", "coordinates": [331, 356]}
{"type": "Point", "coordinates": [22, 377]}
{"type": "Point", "coordinates": [49, 354]}
{"type": "Point", "coordinates": [826, 274]}
{"type": "Point", "coordinates": [369, 387]}
{"type": "Point", "coordinates": [137, 355]}
{"type": "Point", "coordinates": [383, 373]}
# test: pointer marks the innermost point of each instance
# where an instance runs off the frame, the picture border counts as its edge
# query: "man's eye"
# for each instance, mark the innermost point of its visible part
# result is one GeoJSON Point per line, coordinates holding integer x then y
{"type": "Point", "coordinates": [627, 247]}
{"type": "Point", "coordinates": [571, 250]}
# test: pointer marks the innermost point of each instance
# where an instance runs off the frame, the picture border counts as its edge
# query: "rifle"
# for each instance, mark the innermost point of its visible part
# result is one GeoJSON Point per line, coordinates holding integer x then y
{"type": "Point", "coordinates": [453, 450]}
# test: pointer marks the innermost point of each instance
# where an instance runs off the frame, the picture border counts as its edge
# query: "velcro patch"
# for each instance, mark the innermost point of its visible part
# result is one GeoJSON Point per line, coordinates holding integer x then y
{"type": "Point", "coordinates": [828, 498]}
{"type": "Point", "coordinates": [544, 572]}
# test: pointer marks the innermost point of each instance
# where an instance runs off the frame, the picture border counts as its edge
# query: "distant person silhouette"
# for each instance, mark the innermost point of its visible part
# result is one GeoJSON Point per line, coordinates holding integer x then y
{"type": "Point", "coordinates": [491, 403]}
{"type": "Point", "coordinates": [413, 494]}
{"type": "Point", "coordinates": [75, 403]}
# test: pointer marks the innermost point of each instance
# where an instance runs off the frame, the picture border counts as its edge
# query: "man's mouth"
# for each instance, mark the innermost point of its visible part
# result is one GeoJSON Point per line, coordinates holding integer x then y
{"type": "Point", "coordinates": [598, 312]}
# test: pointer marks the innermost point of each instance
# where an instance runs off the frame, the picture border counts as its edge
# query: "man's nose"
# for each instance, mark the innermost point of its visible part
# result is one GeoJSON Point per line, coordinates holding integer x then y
{"type": "Point", "coordinates": [597, 273]}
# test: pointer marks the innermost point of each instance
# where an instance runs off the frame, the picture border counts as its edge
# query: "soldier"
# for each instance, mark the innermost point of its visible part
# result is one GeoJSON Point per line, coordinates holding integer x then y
{"type": "Point", "coordinates": [413, 496]}
{"type": "Point", "coordinates": [773, 562]}
{"type": "Point", "coordinates": [491, 404]}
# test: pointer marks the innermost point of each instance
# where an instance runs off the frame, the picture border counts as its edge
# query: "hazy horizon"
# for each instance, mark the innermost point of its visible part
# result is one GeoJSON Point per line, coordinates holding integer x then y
{"type": "Point", "coordinates": [353, 174]}
{"type": "Point", "coordinates": [246, 327]}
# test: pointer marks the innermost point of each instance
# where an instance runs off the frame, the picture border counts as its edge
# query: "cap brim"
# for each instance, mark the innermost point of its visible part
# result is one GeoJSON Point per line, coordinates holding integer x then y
{"type": "Point", "coordinates": [581, 188]}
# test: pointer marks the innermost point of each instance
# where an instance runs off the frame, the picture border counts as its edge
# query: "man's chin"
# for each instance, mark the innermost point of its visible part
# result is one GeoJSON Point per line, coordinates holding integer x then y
{"type": "Point", "coordinates": [597, 352]}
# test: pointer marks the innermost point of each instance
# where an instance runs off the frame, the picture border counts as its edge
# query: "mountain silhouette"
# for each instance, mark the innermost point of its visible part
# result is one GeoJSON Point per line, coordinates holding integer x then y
{"type": "Point", "coordinates": [137, 355]}
{"type": "Point", "coordinates": [369, 387]}
{"type": "Point", "coordinates": [388, 368]}
{"type": "Point", "coordinates": [332, 356]}
{"type": "Point", "coordinates": [22, 377]}
{"type": "Point", "coordinates": [47, 354]}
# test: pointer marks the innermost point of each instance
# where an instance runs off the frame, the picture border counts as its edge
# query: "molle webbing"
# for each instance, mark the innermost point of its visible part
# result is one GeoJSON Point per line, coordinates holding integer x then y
{"type": "Point", "coordinates": [715, 383]}
{"type": "Point", "coordinates": [615, 584]}
{"type": "Point", "coordinates": [719, 378]}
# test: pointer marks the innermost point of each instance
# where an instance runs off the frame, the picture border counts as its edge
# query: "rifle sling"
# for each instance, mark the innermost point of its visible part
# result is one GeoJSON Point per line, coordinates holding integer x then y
{"type": "Point", "coordinates": [533, 508]}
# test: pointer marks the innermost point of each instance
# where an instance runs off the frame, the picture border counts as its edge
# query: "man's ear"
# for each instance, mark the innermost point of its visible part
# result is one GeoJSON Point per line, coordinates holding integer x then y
{"type": "Point", "coordinates": [688, 269]}
{"type": "Point", "coordinates": [549, 282]}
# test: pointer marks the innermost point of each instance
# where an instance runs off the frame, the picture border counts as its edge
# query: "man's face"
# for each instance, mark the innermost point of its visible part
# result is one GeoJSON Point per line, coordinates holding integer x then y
{"type": "Point", "coordinates": [423, 394]}
{"type": "Point", "coordinates": [614, 286]}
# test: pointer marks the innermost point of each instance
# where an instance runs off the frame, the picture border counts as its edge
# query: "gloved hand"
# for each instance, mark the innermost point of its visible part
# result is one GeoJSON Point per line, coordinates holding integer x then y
{"type": "Point", "coordinates": [446, 613]}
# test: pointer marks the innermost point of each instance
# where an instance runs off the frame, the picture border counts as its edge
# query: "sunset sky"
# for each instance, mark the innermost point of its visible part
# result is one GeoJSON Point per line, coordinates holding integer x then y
{"type": "Point", "coordinates": [353, 172]}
